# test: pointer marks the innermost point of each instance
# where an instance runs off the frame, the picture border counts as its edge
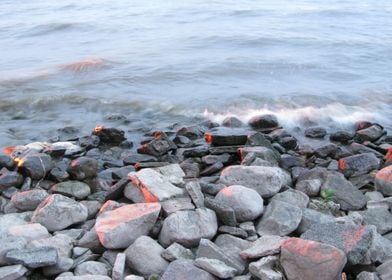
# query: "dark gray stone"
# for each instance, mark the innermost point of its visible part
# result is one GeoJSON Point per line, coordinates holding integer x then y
{"type": "Point", "coordinates": [185, 270]}
{"type": "Point", "coordinates": [315, 132]}
{"type": "Point", "coordinates": [358, 164]}
{"type": "Point", "coordinates": [76, 189]}
{"type": "Point", "coordinates": [9, 179]}
{"type": "Point", "coordinates": [28, 200]}
{"type": "Point", "coordinates": [265, 122]}
{"type": "Point", "coordinates": [83, 167]}
{"type": "Point", "coordinates": [33, 258]}
{"type": "Point", "coordinates": [194, 190]}
{"type": "Point", "coordinates": [37, 165]}
{"type": "Point", "coordinates": [223, 136]}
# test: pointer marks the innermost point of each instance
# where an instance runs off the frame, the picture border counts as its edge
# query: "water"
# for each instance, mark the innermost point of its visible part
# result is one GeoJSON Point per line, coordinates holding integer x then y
{"type": "Point", "coordinates": [74, 63]}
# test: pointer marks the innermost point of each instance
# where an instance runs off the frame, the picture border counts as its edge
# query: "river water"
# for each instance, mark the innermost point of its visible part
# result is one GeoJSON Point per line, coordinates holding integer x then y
{"type": "Point", "coordinates": [81, 62]}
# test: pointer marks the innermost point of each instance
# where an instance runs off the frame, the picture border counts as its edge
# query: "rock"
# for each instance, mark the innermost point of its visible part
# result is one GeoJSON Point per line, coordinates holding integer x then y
{"type": "Point", "coordinates": [173, 172]}
{"type": "Point", "coordinates": [232, 121]}
{"type": "Point", "coordinates": [76, 189]}
{"type": "Point", "coordinates": [215, 267]}
{"type": "Point", "coordinates": [9, 179]}
{"type": "Point", "coordinates": [341, 136]}
{"type": "Point", "coordinates": [343, 192]}
{"type": "Point", "coordinates": [385, 270]}
{"type": "Point", "coordinates": [83, 168]}
{"type": "Point", "coordinates": [144, 256]}
{"type": "Point", "coordinates": [288, 161]}
{"type": "Point", "coordinates": [246, 203]}
{"type": "Point", "coordinates": [234, 231]}
{"type": "Point", "coordinates": [212, 169]}
{"type": "Point", "coordinates": [121, 227]}
{"type": "Point", "coordinates": [83, 277]}
{"type": "Point", "coordinates": [380, 249]}
{"type": "Point", "coordinates": [58, 212]}
{"type": "Point", "coordinates": [112, 136]}
{"type": "Point", "coordinates": [249, 227]}
{"type": "Point", "coordinates": [63, 264]}
{"type": "Point", "coordinates": [358, 164]}
{"type": "Point", "coordinates": [29, 231]}
{"type": "Point", "coordinates": [225, 213]}
{"type": "Point", "coordinates": [311, 217]}
{"type": "Point", "coordinates": [91, 268]}
{"type": "Point", "coordinates": [198, 151]}
{"type": "Point", "coordinates": [265, 122]}
{"type": "Point", "coordinates": [315, 132]}
{"type": "Point", "coordinates": [191, 169]}
{"type": "Point", "coordinates": [12, 272]}
{"type": "Point", "coordinates": [293, 197]}
{"type": "Point", "coordinates": [192, 132]}
{"type": "Point", "coordinates": [188, 227]}
{"type": "Point", "coordinates": [185, 270]}
{"type": "Point", "coordinates": [309, 187]}
{"type": "Point", "coordinates": [61, 242]}
{"type": "Point", "coordinates": [212, 159]}
{"type": "Point", "coordinates": [194, 191]}
{"type": "Point", "coordinates": [279, 218]}
{"type": "Point", "coordinates": [133, 193]}
{"type": "Point", "coordinates": [371, 133]}
{"type": "Point", "coordinates": [266, 245]}
{"type": "Point", "coordinates": [33, 258]}
{"type": "Point", "coordinates": [92, 206]}
{"type": "Point", "coordinates": [265, 269]}
{"type": "Point", "coordinates": [176, 252]}
{"type": "Point", "coordinates": [267, 181]}
{"type": "Point", "coordinates": [37, 165]}
{"type": "Point", "coordinates": [223, 136]}
{"type": "Point", "coordinates": [118, 270]}
{"type": "Point", "coordinates": [379, 217]}
{"type": "Point", "coordinates": [365, 275]}
{"type": "Point", "coordinates": [326, 150]}
{"type": "Point", "coordinates": [176, 204]}
{"type": "Point", "coordinates": [353, 240]}
{"type": "Point", "coordinates": [28, 200]}
{"type": "Point", "coordinates": [8, 243]}
{"type": "Point", "coordinates": [160, 145]}
{"type": "Point", "coordinates": [267, 154]}
{"type": "Point", "coordinates": [259, 139]}
{"type": "Point", "coordinates": [154, 186]}
{"type": "Point", "coordinates": [304, 259]}
{"type": "Point", "coordinates": [383, 181]}
{"type": "Point", "coordinates": [7, 162]}
{"type": "Point", "coordinates": [133, 277]}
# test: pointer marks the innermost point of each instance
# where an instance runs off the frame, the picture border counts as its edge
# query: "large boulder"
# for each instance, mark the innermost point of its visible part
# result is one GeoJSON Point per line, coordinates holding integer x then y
{"type": "Point", "coordinates": [383, 181]}
{"type": "Point", "coordinates": [119, 228]}
{"type": "Point", "coordinates": [267, 181]}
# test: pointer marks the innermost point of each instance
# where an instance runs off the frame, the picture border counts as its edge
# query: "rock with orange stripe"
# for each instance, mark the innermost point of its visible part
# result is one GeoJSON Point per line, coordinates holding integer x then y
{"type": "Point", "coordinates": [383, 180]}
{"type": "Point", "coordinates": [358, 164]}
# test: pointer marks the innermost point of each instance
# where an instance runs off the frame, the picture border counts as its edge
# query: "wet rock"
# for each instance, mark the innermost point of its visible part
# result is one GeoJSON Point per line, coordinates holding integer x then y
{"type": "Point", "coordinates": [188, 227]}
{"type": "Point", "coordinates": [191, 132]}
{"type": "Point", "coordinates": [379, 217]}
{"type": "Point", "coordinates": [160, 145]}
{"type": "Point", "coordinates": [9, 179]}
{"type": "Point", "coordinates": [267, 181]}
{"type": "Point", "coordinates": [154, 186]}
{"type": "Point", "coordinates": [144, 256]}
{"type": "Point", "coordinates": [293, 197]}
{"type": "Point", "coordinates": [266, 245]}
{"type": "Point", "coordinates": [264, 122]}
{"type": "Point", "coordinates": [112, 136]}
{"type": "Point", "coordinates": [12, 272]}
{"type": "Point", "coordinates": [260, 152]}
{"type": "Point", "coordinates": [91, 268]}
{"type": "Point", "coordinates": [309, 187]}
{"type": "Point", "coordinates": [303, 259]}
{"type": "Point", "coordinates": [246, 203]}
{"type": "Point", "coordinates": [279, 218]}
{"type": "Point", "coordinates": [289, 142]}
{"type": "Point", "coordinates": [176, 204]}
{"type": "Point", "coordinates": [33, 258]}
{"type": "Point", "coordinates": [343, 192]}
{"type": "Point", "coordinates": [383, 181]}
{"type": "Point", "coordinates": [342, 136]}
{"type": "Point", "coordinates": [121, 227]}
{"type": "Point", "coordinates": [28, 231]}
{"type": "Point", "coordinates": [176, 252]}
{"type": "Point", "coordinates": [83, 168]}
{"type": "Point", "coordinates": [118, 270]}
{"type": "Point", "coordinates": [225, 213]}
{"type": "Point", "coordinates": [7, 162]}
{"type": "Point", "coordinates": [37, 165]}
{"type": "Point", "coordinates": [223, 136]}
{"type": "Point", "coordinates": [370, 133]}
{"type": "Point", "coordinates": [315, 132]}
{"type": "Point", "coordinates": [326, 150]}
{"type": "Point", "coordinates": [311, 217]}
{"type": "Point", "coordinates": [215, 267]}
{"type": "Point", "coordinates": [28, 200]}
{"type": "Point", "coordinates": [259, 139]}
{"type": "Point", "coordinates": [232, 122]}
{"type": "Point", "coordinates": [185, 270]}
{"type": "Point", "coordinates": [76, 189]}
{"type": "Point", "coordinates": [265, 268]}
{"type": "Point", "coordinates": [358, 164]}
{"type": "Point", "coordinates": [288, 161]}
{"type": "Point", "coordinates": [194, 191]}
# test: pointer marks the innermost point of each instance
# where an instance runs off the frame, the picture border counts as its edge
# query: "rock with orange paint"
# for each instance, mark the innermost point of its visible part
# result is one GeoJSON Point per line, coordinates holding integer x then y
{"type": "Point", "coordinates": [246, 203]}
{"type": "Point", "coordinates": [121, 227]}
{"type": "Point", "coordinates": [305, 259]}
{"type": "Point", "coordinates": [383, 181]}
{"type": "Point", "coordinates": [267, 181]}
{"type": "Point", "coordinates": [83, 167]}
{"type": "Point", "coordinates": [224, 136]}
{"type": "Point", "coordinates": [58, 212]}
{"type": "Point", "coordinates": [358, 164]}
{"type": "Point", "coordinates": [370, 133]}
{"type": "Point", "coordinates": [188, 227]}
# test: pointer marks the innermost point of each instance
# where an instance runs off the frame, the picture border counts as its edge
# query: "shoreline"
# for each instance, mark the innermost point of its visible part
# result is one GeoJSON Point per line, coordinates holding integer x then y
{"type": "Point", "coordinates": [220, 201]}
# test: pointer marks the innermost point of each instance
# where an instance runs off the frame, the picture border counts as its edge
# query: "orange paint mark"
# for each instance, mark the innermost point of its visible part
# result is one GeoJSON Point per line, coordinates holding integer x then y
{"type": "Point", "coordinates": [157, 135]}
{"type": "Point", "coordinates": [388, 156]}
{"type": "Point", "coordinates": [350, 239]}
{"type": "Point", "coordinates": [9, 150]}
{"type": "Point", "coordinates": [208, 137]}
{"type": "Point", "coordinates": [342, 164]}
{"type": "Point", "coordinates": [385, 174]}
{"type": "Point", "coordinates": [148, 196]}
{"type": "Point", "coordinates": [227, 191]}
{"type": "Point", "coordinates": [98, 128]}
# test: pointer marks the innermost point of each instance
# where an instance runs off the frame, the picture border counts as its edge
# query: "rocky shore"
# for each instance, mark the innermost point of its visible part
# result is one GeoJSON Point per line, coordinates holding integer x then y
{"type": "Point", "coordinates": [208, 201]}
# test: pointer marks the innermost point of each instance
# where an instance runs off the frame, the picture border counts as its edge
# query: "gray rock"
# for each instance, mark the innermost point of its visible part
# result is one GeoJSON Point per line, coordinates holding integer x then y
{"type": "Point", "coordinates": [385, 270]}
{"type": "Point", "coordinates": [223, 136]}
{"type": "Point", "coordinates": [175, 252]}
{"type": "Point", "coordinates": [267, 181]}
{"type": "Point", "coordinates": [194, 191]}
{"type": "Point", "coordinates": [343, 192]}
{"type": "Point", "coordinates": [232, 121]}
{"type": "Point", "coordinates": [304, 259]}
{"type": "Point", "coordinates": [215, 267]}
{"type": "Point", "coordinates": [92, 206]}
{"type": "Point", "coordinates": [8, 243]}
{"type": "Point", "coordinates": [76, 189]}
{"type": "Point", "coordinates": [160, 145]}
{"type": "Point", "coordinates": [249, 227]}
{"type": "Point", "coordinates": [144, 256]}
{"type": "Point", "coordinates": [133, 277]}
{"type": "Point", "coordinates": [246, 203]}
{"type": "Point", "coordinates": [341, 136]}
{"type": "Point", "coordinates": [289, 161]}
{"type": "Point", "coordinates": [379, 217]}
{"type": "Point", "coordinates": [121, 227]}
{"type": "Point", "coordinates": [309, 187]}
{"type": "Point", "coordinates": [188, 227]}
{"type": "Point", "coordinates": [264, 153]}
{"type": "Point", "coordinates": [83, 167]}
{"type": "Point", "coordinates": [90, 240]}
{"type": "Point", "coordinates": [133, 193]}
{"type": "Point", "coordinates": [9, 179]}
{"type": "Point", "coordinates": [29, 231]}
{"type": "Point", "coordinates": [154, 186]}
{"type": "Point", "coordinates": [84, 277]}
{"type": "Point", "coordinates": [33, 258]}
{"type": "Point", "coordinates": [58, 212]}
{"type": "Point", "coordinates": [28, 200]}
{"type": "Point", "coordinates": [311, 217]}
{"type": "Point", "coordinates": [91, 268]}
{"type": "Point", "coordinates": [185, 270]}
{"type": "Point", "coordinates": [173, 172]}
{"type": "Point", "coordinates": [383, 181]}
{"type": "Point", "coordinates": [264, 246]}
{"type": "Point", "coordinates": [365, 275]}
{"type": "Point", "coordinates": [234, 231]}
{"type": "Point", "coordinates": [13, 219]}
{"type": "Point", "coordinates": [370, 133]}
{"type": "Point", "coordinates": [293, 197]}
{"type": "Point", "coordinates": [265, 122]}
{"type": "Point", "coordinates": [380, 249]}
{"type": "Point", "coordinates": [226, 214]}
{"type": "Point", "coordinates": [315, 132]}
{"type": "Point", "coordinates": [264, 269]}
{"type": "Point", "coordinates": [37, 165]}
{"type": "Point", "coordinates": [61, 242]}
{"type": "Point", "coordinates": [176, 204]}
{"type": "Point", "coordinates": [12, 272]}
{"type": "Point", "coordinates": [279, 218]}
{"type": "Point", "coordinates": [118, 270]}
{"type": "Point", "coordinates": [63, 264]}
{"type": "Point", "coordinates": [375, 196]}
{"type": "Point", "coordinates": [358, 164]}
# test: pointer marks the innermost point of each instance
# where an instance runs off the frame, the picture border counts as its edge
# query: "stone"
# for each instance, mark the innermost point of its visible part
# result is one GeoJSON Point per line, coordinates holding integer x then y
{"type": "Point", "coordinates": [249, 227]}
{"type": "Point", "coordinates": [225, 214]}
{"type": "Point", "coordinates": [192, 132]}
{"type": "Point", "coordinates": [326, 150]}
{"type": "Point", "coordinates": [7, 162]}
{"type": "Point", "coordinates": [112, 136]}
{"type": "Point", "coordinates": [341, 136]}
{"type": "Point", "coordinates": [212, 159]}
{"type": "Point", "coordinates": [154, 186]}
{"type": "Point", "coordinates": [383, 181]}
{"type": "Point", "coordinates": [216, 267]}
{"type": "Point", "coordinates": [365, 275]}
{"type": "Point", "coordinates": [91, 268]}
{"type": "Point", "coordinates": [265, 269]}
{"type": "Point", "coordinates": [315, 132]}
{"type": "Point", "coordinates": [63, 264]}
{"type": "Point", "coordinates": [309, 187]}
{"type": "Point", "coordinates": [58, 212]}
{"type": "Point", "coordinates": [144, 256]}
{"type": "Point", "coordinates": [343, 192]}
{"type": "Point", "coordinates": [188, 227]}
{"type": "Point", "coordinates": [289, 161]}
{"type": "Point", "coordinates": [311, 217]}
{"type": "Point", "coordinates": [28, 200]}
{"type": "Point", "coordinates": [234, 231]}
{"type": "Point", "coordinates": [380, 249]}
{"type": "Point", "coordinates": [212, 169]}
{"type": "Point", "coordinates": [61, 242]}
{"type": "Point", "coordinates": [371, 133]}
{"type": "Point", "coordinates": [385, 270]}
{"type": "Point", "coordinates": [191, 168]}
{"type": "Point", "coordinates": [83, 277]}
{"type": "Point", "coordinates": [185, 270]}
{"type": "Point", "coordinates": [8, 243]}
{"type": "Point", "coordinates": [92, 206]}
{"type": "Point", "coordinates": [160, 145]}
{"type": "Point", "coordinates": [133, 193]}
{"type": "Point", "coordinates": [37, 165]}
{"type": "Point", "coordinates": [266, 245]}
{"type": "Point", "coordinates": [76, 189]}
{"type": "Point", "coordinates": [379, 217]}
{"type": "Point", "coordinates": [267, 154]}
{"type": "Point", "coordinates": [293, 197]}
{"type": "Point", "coordinates": [304, 259]}
{"type": "Point", "coordinates": [267, 181]}
{"type": "Point", "coordinates": [28, 231]}
{"type": "Point", "coordinates": [33, 258]}
{"type": "Point", "coordinates": [176, 204]}
{"type": "Point", "coordinates": [265, 122]}
{"type": "Point", "coordinates": [194, 190]}
{"type": "Point", "coordinates": [232, 121]}
{"type": "Point", "coordinates": [83, 168]}
{"type": "Point", "coordinates": [133, 277]}
{"type": "Point", "coordinates": [119, 228]}
{"type": "Point", "coordinates": [223, 136]}
{"type": "Point", "coordinates": [175, 252]}
{"type": "Point", "coordinates": [9, 179]}
{"type": "Point", "coordinates": [246, 203]}
{"type": "Point", "coordinates": [118, 270]}
{"type": "Point", "coordinates": [173, 172]}
{"type": "Point", "coordinates": [12, 272]}
{"type": "Point", "coordinates": [279, 218]}
{"type": "Point", "coordinates": [358, 164]}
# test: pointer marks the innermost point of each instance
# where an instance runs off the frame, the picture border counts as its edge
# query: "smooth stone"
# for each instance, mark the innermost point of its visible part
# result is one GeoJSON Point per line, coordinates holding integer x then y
{"type": "Point", "coordinates": [358, 164]}
{"type": "Point", "coordinates": [265, 269]}
{"type": "Point", "coordinates": [341, 136]}
{"type": "Point", "coordinates": [33, 258]}
{"type": "Point", "coordinates": [370, 133]}
{"type": "Point", "coordinates": [9, 179]}
{"type": "Point", "coordinates": [176, 252]}
{"type": "Point", "coordinates": [76, 189]}
{"type": "Point", "coordinates": [293, 197]}
{"type": "Point", "coordinates": [265, 122]}
{"type": "Point", "coordinates": [83, 167]}
{"type": "Point", "coordinates": [216, 267]}
{"type": "Point", "coordinates": [28, 200]}
{"type": "Point", "coordinates": [383, 181]}
{"type": "Point", "coordinates": [119, 228]}
{"type": "Point", "coordinates": [185, 270]}
{"type": "Point", "coordinates": [91, 268]}
{"type": "Point", "coordinates": [232, 121]}
{"type": "Point", "coordinates": [37, 165]}
{"type": "Point", "coordinates": [315, 132]}
{"type": "Point", "coordinates": [28, 231]}
{"type": "Point", "coordinates": [266, 245]}
{"type": "Point", "coordinates": [12, 272]}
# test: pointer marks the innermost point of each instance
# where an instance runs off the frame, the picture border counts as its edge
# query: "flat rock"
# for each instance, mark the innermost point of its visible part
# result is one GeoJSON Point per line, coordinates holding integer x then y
{"type": "Point", "coordinates": [311, 217]}
{"type": "Point", "coordinates": [194, 190]}
{"type": "Point", "coordinates": [33, 258]}
{"type": "Point", "coordinates": [358, 164]}
{"type": "Point", "coordinates": [118, 270]}
{"type": "Point", "coordinates": [265, 268]}
{"type": "Point", "coordinates": [223, 136]}
{"type": "Point", "coordinates": [12, 272]}
{"type": "Point", "coordinates": [28, 231]}
{"type": "Point", "coordinates": [63, 265]}
{"type": "Point", "coordinates": [8, 243]}
{"type": "Point", "coordinates": [310, 187]}
{"type": "Point", "coordinates": [76, 189]}
{"type": "Point", "coordinates": [28, 200]}
{"type": "Point", "coordinates": [267, 181]}
{"type": "Point", "coordinates": [61, 242]}
{"type": "Point", "coordinates": [175, 252]}
{"type": "Point", "coordinates": [185, 270]}
{"type": "Point", "coordinates": [293, 197]}
{"type": "Point", "coordinates": [58, 212]}
{"type": "Point", "coordinates": [304, 259]}
{"type": "Point", "coordinates": [176, 204]}
{"type": "Point", "coordinates": [91, 268]}
{"type": "Point", "coordinates": [379, 217]}
{"type": "Point", "coordinates": [265, 153]}
{"type": "Point", "coordinates": [84, 277]}
{"type": "Point", "coordinates": [188, 227]}
{"type": "Point", "coordinates": [121, 227]}
{"type": "Point", "coordinates": [265, 122]}
{"type": "Point", "coordinates": [216, 267]}
{"type": "Point", "coordinates": [383, 181]}
{"type": "Point", "coordinates": [264, 246]}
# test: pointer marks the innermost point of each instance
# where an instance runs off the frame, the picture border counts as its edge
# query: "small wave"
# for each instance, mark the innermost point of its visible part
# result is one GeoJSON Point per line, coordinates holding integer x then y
{"type": "Point", "coordinates": [48, 28]}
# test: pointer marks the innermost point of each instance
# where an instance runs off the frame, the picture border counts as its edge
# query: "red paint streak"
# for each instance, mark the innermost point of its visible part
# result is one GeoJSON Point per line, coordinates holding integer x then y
{"type": "Point", "coordinates": [157, 135]}
{"type": "Point", "coordinates": [9, 150]}
{"type": "Point", "coordinates": [227, 191]}
{"type": "Point", "coordinates": [98, 128]}
{"type": "Point", "coordinates": [208, 137]}
{"type": "Point", "coordinates": [388, 156]}
{"type": "Point", "coordinates": [342, 164]}
{"type": "Point", "coordinates": [148, 196]}
{"type": "Point", "coordinates": [385, 174]}
{"type": "Point", "coordinates": [350, 239]}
